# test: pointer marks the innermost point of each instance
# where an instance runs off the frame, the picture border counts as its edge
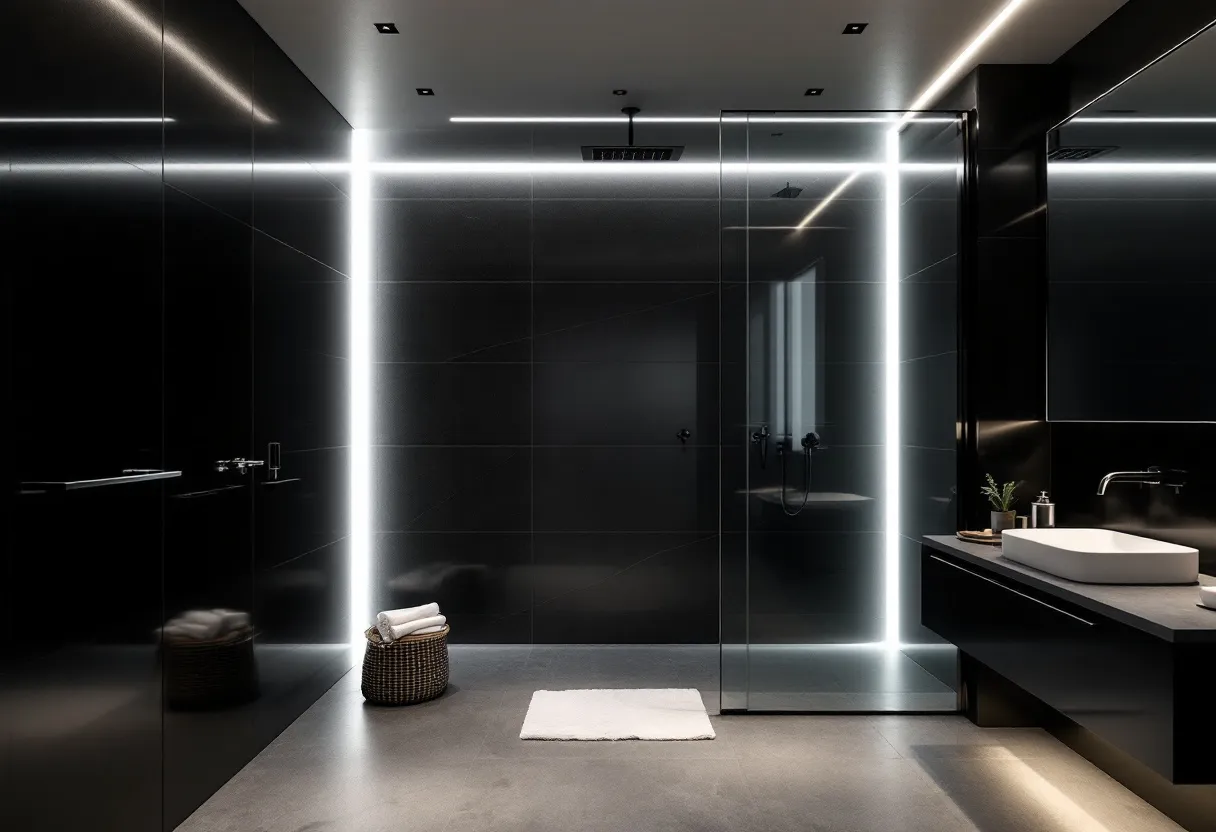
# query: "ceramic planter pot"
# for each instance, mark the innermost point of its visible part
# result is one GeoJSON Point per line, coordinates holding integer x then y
{"type": "Point", "coordinates": [1002, 520]}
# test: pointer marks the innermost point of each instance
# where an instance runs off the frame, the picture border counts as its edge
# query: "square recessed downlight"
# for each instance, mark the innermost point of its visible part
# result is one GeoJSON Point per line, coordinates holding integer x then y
{"type": "Point", "coordinates": [814, 91]}
{"type": "Point", "coordinates": [387, 28]}
{"type": "Point", "coordinates": [425, 91]}
{"type": "Point", "coordinates": [855, 28]}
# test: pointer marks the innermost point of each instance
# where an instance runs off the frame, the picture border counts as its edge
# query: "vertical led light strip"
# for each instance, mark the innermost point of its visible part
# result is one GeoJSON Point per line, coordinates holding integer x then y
{"type": "Point", "coordinates": [891, 370]}
{"type": "Point", "coordinates": [360, 383]}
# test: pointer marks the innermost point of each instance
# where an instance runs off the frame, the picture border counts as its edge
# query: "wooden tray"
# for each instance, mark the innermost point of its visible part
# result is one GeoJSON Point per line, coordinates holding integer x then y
{"type": "Point", "coordinates": [979, 537]}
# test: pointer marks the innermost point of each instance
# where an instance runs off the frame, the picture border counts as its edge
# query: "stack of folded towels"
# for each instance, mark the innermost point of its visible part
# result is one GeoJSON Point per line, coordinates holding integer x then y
{"type": "Point", "coordinates": [206, 625]}
{"type": "Point", "coordinates": [411, 621]}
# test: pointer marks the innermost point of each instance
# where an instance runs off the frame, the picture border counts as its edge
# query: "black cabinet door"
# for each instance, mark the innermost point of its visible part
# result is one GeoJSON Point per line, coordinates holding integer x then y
{"type": "Point", "coordinates": [1111, 679]}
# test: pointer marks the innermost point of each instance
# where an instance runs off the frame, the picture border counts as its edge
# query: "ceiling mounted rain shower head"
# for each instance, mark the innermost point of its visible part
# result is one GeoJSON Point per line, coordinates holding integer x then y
{"type": "Point", "coordinates": [788, 192]}
{"type": "Point", "coordinates": [632, 152]}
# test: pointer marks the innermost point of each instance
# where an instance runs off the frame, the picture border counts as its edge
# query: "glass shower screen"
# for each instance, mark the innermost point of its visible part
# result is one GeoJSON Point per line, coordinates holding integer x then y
{"type": "Point", "coordinates": [839, 270]}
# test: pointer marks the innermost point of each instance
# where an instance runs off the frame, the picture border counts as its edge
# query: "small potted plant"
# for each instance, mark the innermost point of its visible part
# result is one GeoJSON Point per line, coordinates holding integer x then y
{"type": "Point", "coordinates": [1001, 499]}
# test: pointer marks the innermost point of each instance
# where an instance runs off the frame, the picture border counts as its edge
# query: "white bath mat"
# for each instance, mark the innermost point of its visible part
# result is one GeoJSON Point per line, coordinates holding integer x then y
{"type": "Point", "coordinates": [634, 714]}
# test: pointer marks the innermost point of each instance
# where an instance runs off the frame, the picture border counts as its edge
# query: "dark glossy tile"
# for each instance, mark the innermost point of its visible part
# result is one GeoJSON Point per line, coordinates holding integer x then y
{"type": "Point", "coordinates": [303, 599]}
{"type": "Point", "coordinates": [208, 371]}
{"type": "Point", "coordinates": [452, 489]}
{"type": "Point", "coordinates": [211, 126]}
{"type": "Point", "coordinates": [668, 241]}
{"type": "Point", "coordinates": [482, 582]}
{"type": "Point", "coordinates": [852, 322]}
{"type": "Point", "coordinates": [444, 239]}
{"type": "Point", "coordinates": [453, 404]}
{"type": "Point", "coordinates": [306, 511]}
{"type": "Point", "coordinates": [626, 588]}
{"type": "Point", "coordinates": [929, 231]}
{"type": "Point", "coordinates": [453, 322]}
{"type": "Point", "coordinates": [850, 407]}
{"type": "Point", "coordinates": [613, 322]}
{"type": "Point", "coordinates": [929, 315]}
{"type": "Point", "coordinates": [299, 302]}
{"type": "Point", "coordinates": [642, 403]}
{"type": "Point", "coordinates": [811, 588]}
{"type": "Point", "coordinates": [634, 489]}
{"type": "Point", "coordinates": [928, 482]}
{"type": "Point", "coordinates": [929, 410]}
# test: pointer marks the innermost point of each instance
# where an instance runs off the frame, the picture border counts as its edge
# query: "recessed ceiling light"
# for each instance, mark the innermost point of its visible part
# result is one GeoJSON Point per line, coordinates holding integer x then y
{"type": "Point", "coordinates": [425, 91]}
{"type": "Point", "coordinates": [387, 28]}
{"type": "Point", "coordinates": [620, 92]}
{"type": "Point", "coordinates": [855, 28]}
{"type": "Point", "coordinates": [814, 91]}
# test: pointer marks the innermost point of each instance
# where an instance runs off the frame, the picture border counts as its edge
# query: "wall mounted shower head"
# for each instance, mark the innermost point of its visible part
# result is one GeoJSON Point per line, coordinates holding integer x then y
{"type": "Point", "coordinates": [788, 192]}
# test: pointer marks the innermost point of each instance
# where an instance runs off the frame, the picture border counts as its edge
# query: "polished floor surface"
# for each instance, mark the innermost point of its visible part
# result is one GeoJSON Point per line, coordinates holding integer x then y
{"type": "Point", "coordinates": [457, 764]}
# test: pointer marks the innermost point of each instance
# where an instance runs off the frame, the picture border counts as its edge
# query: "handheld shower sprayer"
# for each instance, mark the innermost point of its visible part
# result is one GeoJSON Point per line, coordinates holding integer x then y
{"type": "Point", "coordinates": [810, 444]}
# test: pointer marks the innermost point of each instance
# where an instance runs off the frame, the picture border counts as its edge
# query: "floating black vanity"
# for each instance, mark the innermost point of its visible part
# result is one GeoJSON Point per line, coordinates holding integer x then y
{"type": "Point", "coordinates": [1133, 665]}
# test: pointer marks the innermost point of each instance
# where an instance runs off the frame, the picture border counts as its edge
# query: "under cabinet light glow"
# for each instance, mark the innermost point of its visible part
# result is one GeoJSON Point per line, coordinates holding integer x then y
{"type": "Point", "coordinates": [360, 383]}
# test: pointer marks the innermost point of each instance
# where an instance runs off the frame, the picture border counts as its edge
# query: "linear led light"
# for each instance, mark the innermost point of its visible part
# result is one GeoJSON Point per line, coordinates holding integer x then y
{"type": "Point", "coordinates": [90, 120]}
{"type": "Point", "coordinates": [360, 383]}
{"type": "Point", "coordinates": [1133, 168]}
{"type": "Point", "coordinates": [187, 54]}
{"type": "Point", "coordinates": [891, 369]}
{"type": "Point", "coordinates": [962, 60]}
{"type": "Point", "coordinates": [692, 119]}
{"type": "Point", "coordinates": [828, 200]}
{"type": "Point", "coordinates": [1141, 120]}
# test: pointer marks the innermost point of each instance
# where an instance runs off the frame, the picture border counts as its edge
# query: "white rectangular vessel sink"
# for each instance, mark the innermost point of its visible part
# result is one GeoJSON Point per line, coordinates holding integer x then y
{"type": "Point", "coordinates": [1101, 556]}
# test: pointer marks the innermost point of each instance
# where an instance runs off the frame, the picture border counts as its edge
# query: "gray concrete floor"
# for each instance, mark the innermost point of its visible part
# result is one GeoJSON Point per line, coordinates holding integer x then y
{"type": "Point", "coordinates": [457, 764]}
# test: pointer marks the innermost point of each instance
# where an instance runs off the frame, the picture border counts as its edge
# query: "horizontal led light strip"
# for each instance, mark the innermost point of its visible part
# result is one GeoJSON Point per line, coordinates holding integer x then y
{"type": "Point", "coordinates": [1141, 120]}
{"type": "Point", "coordinates": [810, 119]}
{"type": "Point", "coordinates": [601, 169]}
{"type": "Point", "coordinates": [1130, 168]}
{"type": "Point", "coordinates": [87, 120]}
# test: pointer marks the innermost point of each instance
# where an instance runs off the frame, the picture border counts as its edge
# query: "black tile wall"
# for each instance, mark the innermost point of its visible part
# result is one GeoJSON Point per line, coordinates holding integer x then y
{"type": "Point", "coordinates": [540, 344]}
{"type": "Point", "coordinates": [178, 295]}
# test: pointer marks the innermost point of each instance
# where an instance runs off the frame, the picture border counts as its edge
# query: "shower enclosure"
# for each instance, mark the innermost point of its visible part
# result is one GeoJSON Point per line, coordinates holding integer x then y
{"type": "Point", "coordinates": [839, 277]}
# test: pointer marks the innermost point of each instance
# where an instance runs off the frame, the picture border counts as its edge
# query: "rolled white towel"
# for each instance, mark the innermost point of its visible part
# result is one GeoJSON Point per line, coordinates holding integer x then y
{"type": "Point", "coordinates": [388, 619]}
{"type": "Point", "coordinates": [428, 630]}
{"type": "Point", "coordinates": [189, 631]}
{"type": "Point", "coordinates": [233, 620]}
{"type": "Point", "coordinates": [206, 624]}
{"type": "Point", "coordinates": [411, 627]}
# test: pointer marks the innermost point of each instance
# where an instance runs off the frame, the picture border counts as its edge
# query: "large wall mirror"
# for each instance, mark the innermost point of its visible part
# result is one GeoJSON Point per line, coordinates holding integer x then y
{"type": "Point", "coordinates": [1132, 248]}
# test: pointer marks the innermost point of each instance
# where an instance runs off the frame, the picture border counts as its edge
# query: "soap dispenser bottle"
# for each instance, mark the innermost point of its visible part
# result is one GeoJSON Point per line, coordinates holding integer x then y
{"type": "Point", "coordinates": [1042, 512]}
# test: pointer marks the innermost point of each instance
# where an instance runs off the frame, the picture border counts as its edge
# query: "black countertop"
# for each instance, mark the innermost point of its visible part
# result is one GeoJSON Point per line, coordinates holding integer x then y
{"type": "Point", "coordinates": [1167, 612]}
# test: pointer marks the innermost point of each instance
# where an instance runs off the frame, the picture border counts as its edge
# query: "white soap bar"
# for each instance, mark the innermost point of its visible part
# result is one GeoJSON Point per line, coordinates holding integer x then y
{"type": "Point", "coordinates": [1207, 596]}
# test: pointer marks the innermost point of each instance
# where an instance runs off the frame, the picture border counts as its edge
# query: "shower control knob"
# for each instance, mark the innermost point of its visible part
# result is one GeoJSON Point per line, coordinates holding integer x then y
{"type": "Point", "coordinates": [684, 435]}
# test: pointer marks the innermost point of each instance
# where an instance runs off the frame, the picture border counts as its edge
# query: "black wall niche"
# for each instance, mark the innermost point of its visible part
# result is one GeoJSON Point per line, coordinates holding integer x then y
{"type": "Point", "coordinates": [177, 293]}
{"type": "Point", "coordinates": [541, 338]}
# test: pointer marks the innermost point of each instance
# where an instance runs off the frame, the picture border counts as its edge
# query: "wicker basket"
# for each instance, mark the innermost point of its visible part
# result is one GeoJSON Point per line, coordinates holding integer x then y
{"type": "Point", "coordinates": [406, 671]}
{"type": "Point", "coordinates": [210, 674]}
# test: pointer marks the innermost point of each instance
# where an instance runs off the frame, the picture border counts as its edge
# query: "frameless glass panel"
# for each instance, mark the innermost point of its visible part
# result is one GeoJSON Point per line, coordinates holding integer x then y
{"type": "Point", "coordinates": [830, 474]}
